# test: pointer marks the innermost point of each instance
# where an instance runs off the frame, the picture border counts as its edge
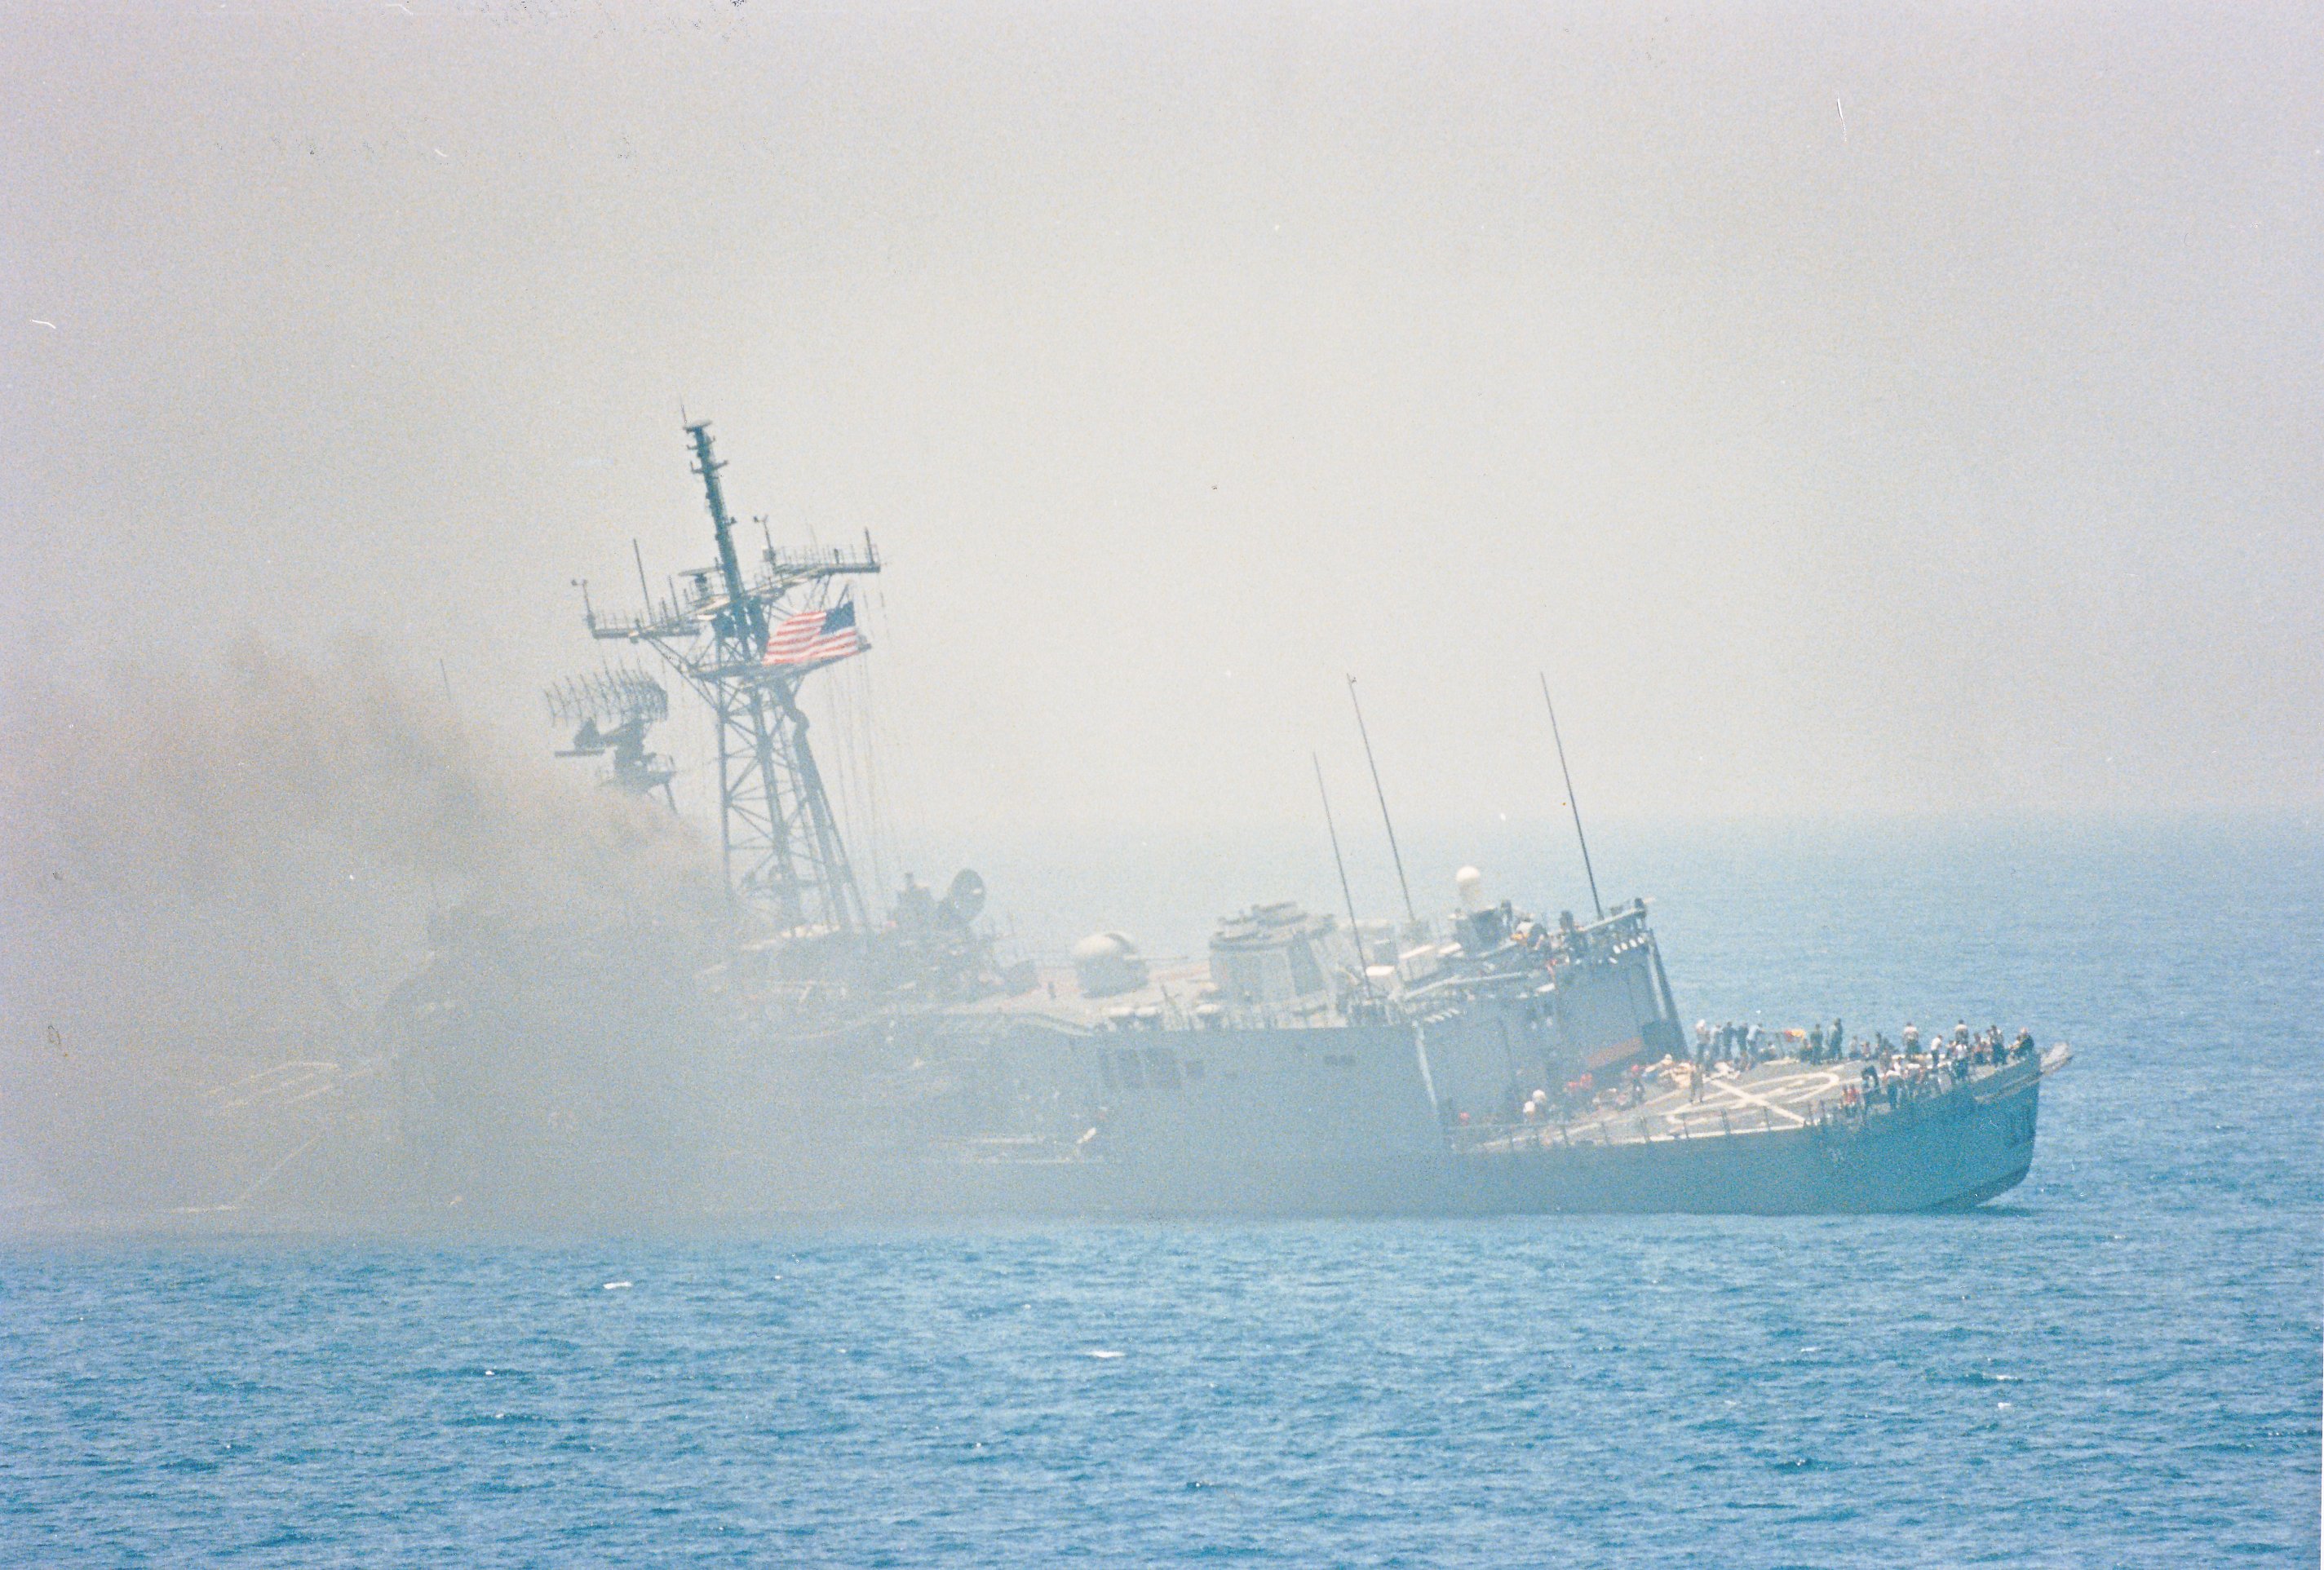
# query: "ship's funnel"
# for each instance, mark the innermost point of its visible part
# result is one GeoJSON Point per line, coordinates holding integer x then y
{"type": "Point", "coordinates": [1472, 885]}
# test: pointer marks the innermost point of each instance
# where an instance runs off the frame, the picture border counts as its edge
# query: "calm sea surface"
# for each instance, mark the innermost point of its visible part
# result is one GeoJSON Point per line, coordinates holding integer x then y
{"type": "Point", "coordinates": [2116, 1365]}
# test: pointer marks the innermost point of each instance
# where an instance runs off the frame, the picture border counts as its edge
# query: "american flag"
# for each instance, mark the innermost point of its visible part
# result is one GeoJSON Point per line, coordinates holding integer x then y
{"type": "Point", "coordinates": [810, 637]}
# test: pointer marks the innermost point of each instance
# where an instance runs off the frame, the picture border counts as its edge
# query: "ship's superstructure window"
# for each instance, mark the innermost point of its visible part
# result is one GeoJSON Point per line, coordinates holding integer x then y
{"type": "Point", "coordinates": [1145, 1069]}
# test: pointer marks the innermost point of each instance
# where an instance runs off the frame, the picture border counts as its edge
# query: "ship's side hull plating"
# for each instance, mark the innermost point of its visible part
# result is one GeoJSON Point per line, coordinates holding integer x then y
{"type": "Point", "coordinates": [1363, 1142]}
{"type": "Point", "coordinates": [1950, 1152]}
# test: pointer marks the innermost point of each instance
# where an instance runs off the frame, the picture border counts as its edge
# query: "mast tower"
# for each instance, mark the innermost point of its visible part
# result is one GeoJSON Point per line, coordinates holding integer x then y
{"type": "Point", "coordinates": [744, 643]}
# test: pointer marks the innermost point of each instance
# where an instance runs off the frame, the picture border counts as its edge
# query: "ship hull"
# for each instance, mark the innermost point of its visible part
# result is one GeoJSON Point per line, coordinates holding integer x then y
{"type": "Point", "coordinates": [1944, 1152]}
{"type": "Point", "coordinates": [1953, 1153]}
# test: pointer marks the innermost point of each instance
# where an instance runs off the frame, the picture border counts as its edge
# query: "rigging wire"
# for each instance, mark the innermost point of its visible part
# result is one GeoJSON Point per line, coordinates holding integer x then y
{"type": "Point", "coordinates": [874, 803]}
{"type": "Point", "coordinates": [840, 705]}
{"type": "Point", "coordinates": [914, 839]}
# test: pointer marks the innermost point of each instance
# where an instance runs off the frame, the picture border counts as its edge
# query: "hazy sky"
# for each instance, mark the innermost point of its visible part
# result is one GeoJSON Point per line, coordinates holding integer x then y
{"type": "Point", "coordinates": [1849, 408]}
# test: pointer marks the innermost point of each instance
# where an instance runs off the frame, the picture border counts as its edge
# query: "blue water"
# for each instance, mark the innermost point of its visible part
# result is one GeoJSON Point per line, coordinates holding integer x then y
{"type": "Point", "coordinates": [2117, 1364]}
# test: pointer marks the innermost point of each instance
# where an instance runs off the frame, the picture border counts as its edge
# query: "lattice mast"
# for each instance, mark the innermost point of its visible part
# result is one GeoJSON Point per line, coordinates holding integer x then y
{"type": "Point", "coordinates": [782, 844]}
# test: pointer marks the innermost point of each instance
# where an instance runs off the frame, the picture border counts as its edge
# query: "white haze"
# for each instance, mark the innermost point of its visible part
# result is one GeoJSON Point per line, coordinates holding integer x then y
{"type": "Point", "coordinates": [1851, 409]}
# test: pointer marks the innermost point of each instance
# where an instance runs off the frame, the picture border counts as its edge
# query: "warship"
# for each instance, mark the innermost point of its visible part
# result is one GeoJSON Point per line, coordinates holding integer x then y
{"type": "Point", "coordinates": [1502, 1066]}
{"type": "Point", "coordinates": [1486, 1061]}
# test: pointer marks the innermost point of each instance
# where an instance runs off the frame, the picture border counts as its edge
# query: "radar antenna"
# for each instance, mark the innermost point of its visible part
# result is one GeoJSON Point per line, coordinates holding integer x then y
{"type": "Point", "coordinates": [613, 709]}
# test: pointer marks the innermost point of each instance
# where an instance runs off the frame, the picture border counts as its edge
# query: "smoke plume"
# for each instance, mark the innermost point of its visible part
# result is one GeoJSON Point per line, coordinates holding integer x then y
{"type": "Point", "coordinates": [215, 882]}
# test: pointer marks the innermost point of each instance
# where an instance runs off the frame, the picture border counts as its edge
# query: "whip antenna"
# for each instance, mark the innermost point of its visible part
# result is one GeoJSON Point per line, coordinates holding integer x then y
{"type": "Point", "coordinates": [1363, 960]}
{"type": "Point", "coordinates": [1409, 913]}
{"type": "Point", "coordinates": [1568, 774]}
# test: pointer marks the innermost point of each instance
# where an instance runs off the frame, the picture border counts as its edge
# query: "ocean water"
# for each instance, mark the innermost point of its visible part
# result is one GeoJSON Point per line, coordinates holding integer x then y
{"type": "Point", "coordinates": [2117, 1364]}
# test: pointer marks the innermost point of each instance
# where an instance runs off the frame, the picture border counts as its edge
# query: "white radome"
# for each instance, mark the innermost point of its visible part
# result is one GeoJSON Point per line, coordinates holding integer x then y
{"type": "Point", "coordinates": [1472, 885]}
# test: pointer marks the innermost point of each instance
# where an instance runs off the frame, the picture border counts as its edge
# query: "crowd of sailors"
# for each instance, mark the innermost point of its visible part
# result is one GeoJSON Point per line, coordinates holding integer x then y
{"type": "Point", "coordinates": [1911, 1068]}
{"type": "Point", "coordinates": [1747, 1045]}
{"type": "Point", "coordinates": [1890, 1072]}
